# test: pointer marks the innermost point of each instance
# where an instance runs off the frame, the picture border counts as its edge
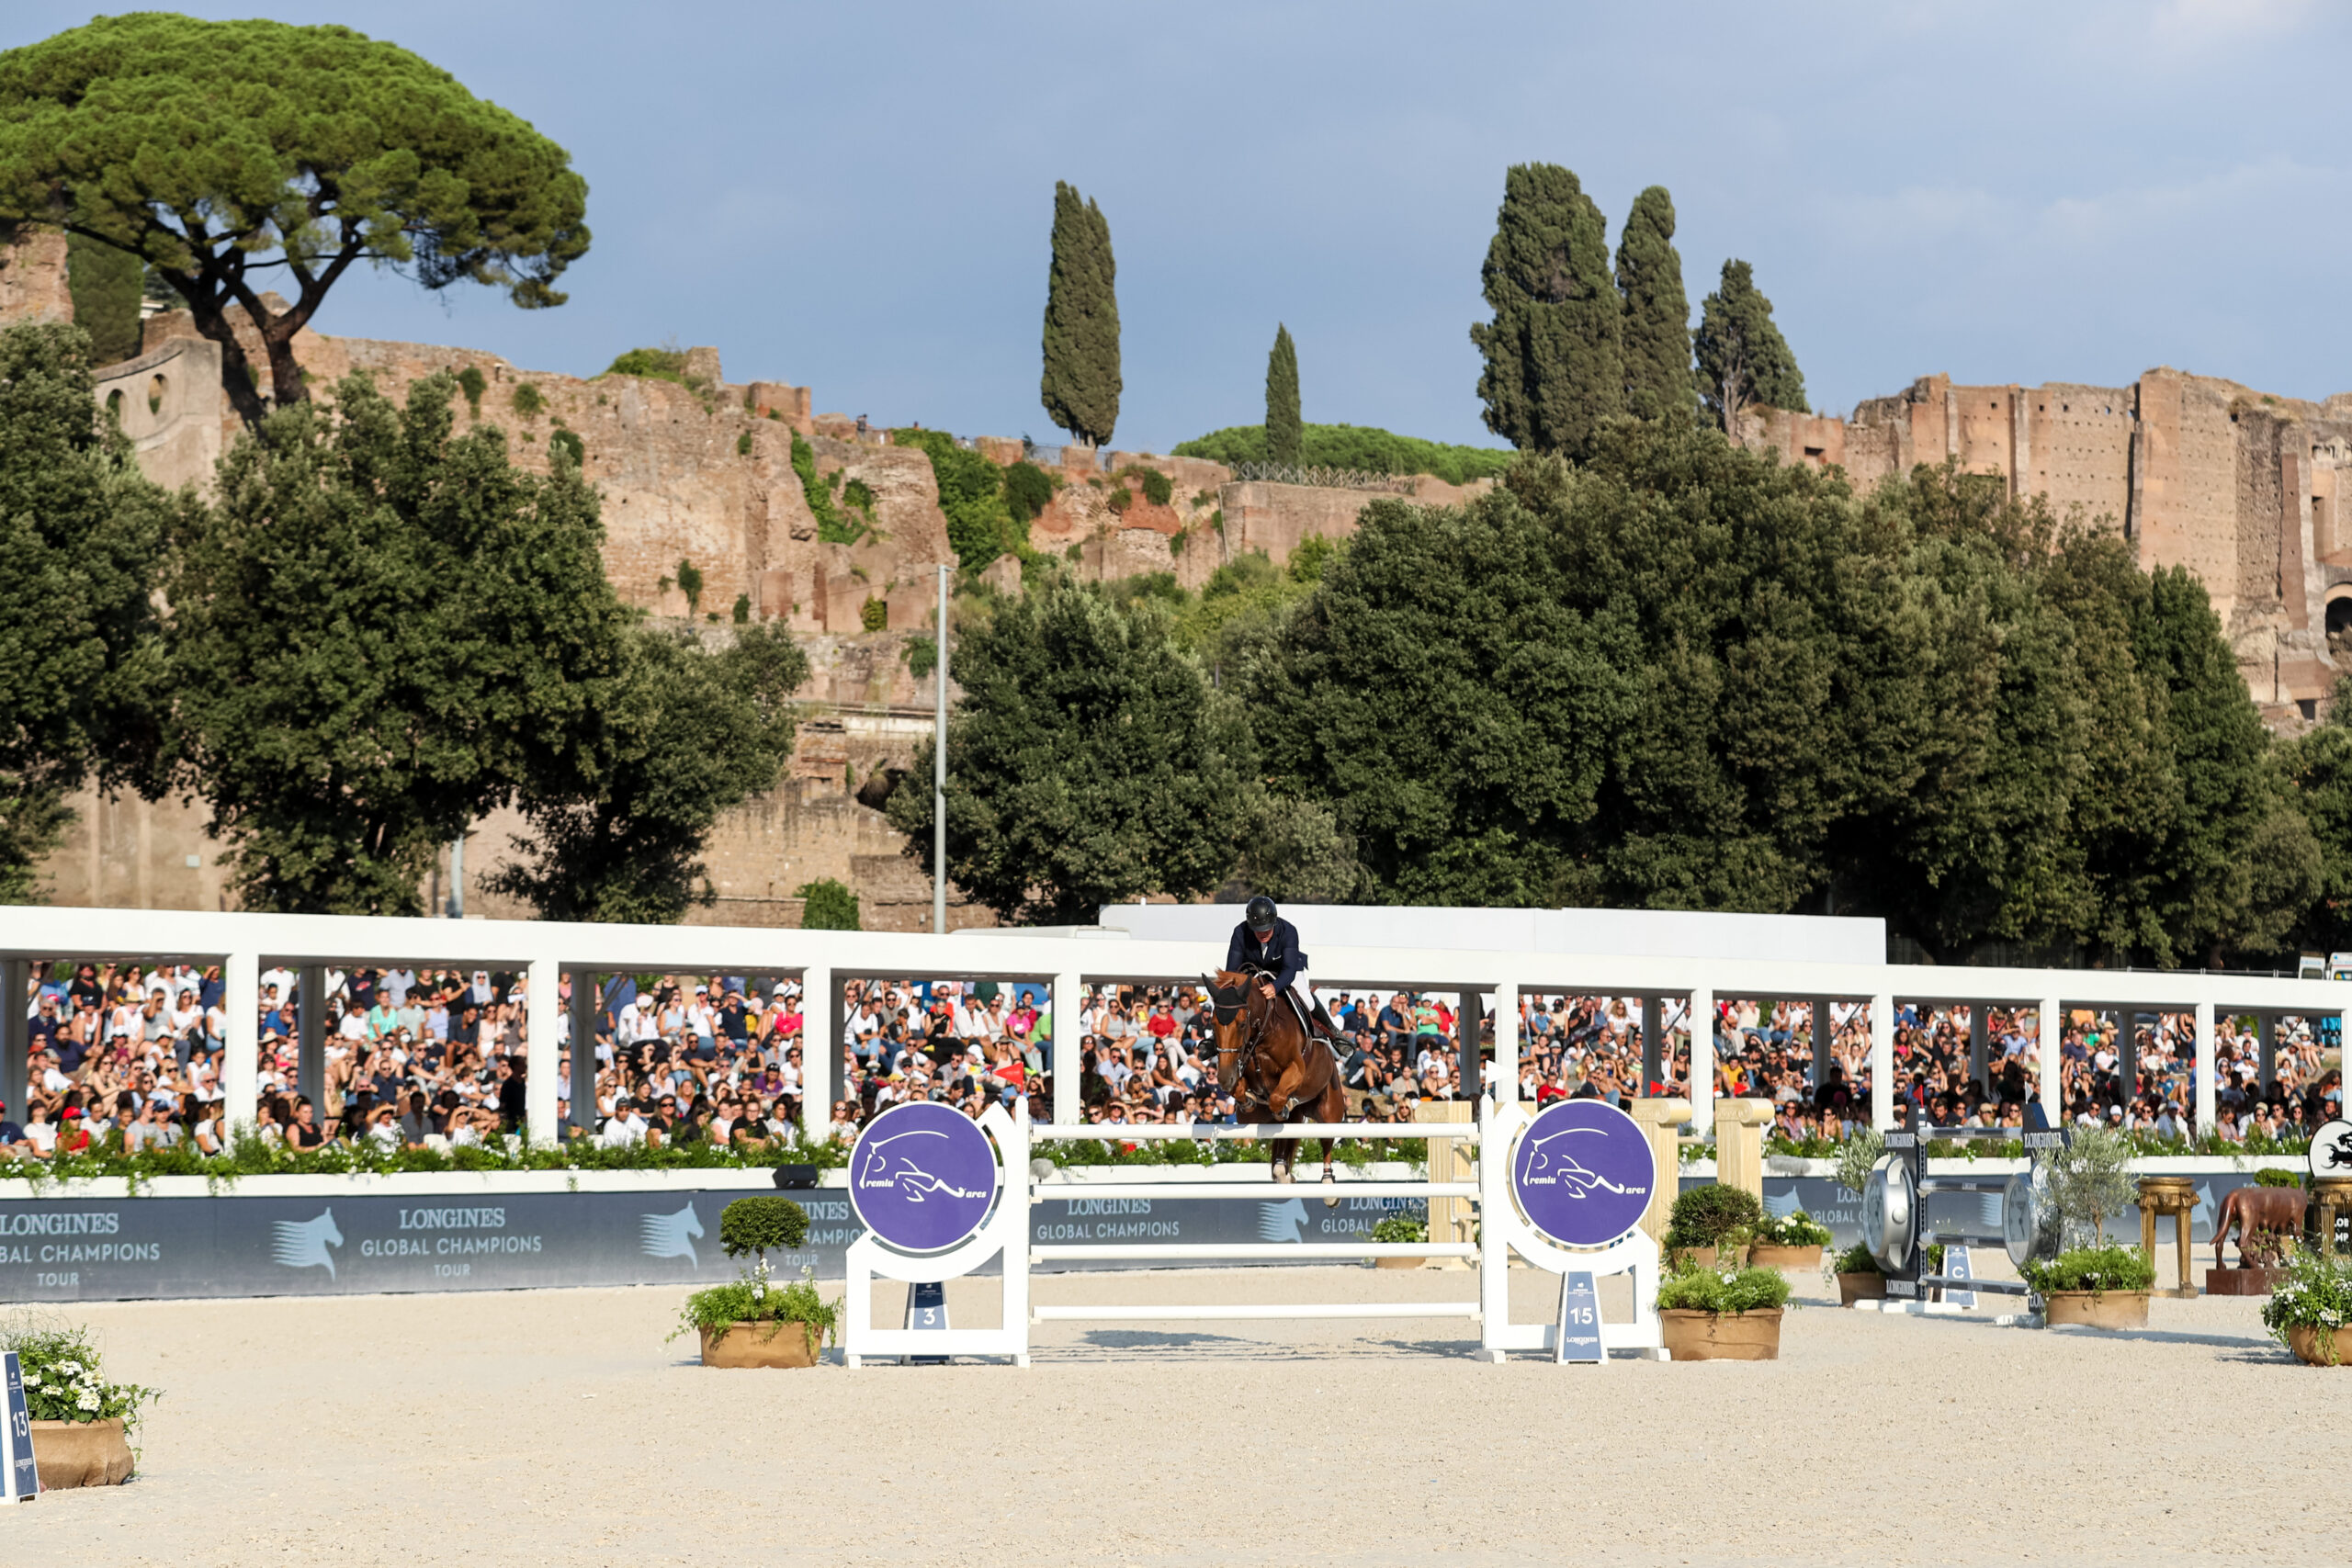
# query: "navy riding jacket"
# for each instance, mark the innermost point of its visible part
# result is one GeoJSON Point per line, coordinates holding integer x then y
{"type": "Point", "coordinates": [1278, 952]}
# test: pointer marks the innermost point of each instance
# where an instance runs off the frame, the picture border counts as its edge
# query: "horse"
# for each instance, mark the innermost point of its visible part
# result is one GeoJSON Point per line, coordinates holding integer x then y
{"type": "Point", "coordinates": [1266, 1055]}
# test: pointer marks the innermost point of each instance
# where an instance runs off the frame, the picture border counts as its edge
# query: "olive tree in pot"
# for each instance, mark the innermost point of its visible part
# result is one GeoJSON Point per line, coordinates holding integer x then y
{"type": "Point", "coordinates": [1712, 1224]}
{"type": "Point", "coordinates": [745, 1323]}
{"type": "Point", "coordinates": [1859, 1278]}
{"type": "Point", "coordinates": [2089, 1282]}
{"type": "Point", "coordinates": [1721, 1313]}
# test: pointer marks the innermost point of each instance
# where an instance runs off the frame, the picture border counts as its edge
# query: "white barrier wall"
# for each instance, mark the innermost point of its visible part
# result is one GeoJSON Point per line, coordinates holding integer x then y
{"type": "Point", "coordinates": [240, 944]}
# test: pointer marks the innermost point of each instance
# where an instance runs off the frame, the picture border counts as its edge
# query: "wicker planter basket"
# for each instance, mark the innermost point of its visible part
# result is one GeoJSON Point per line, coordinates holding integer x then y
{"type": "Point", "coordinates": [2108, 1309]}
{"type": "Point", "coordinates": [1721, 1337]}
{"type": "Point", "coordinates": [759, 1345]}
{"type": "Point", "coordinates": [1863, 1286]}
{"type": "Point", "coordinates": [81, 1453]}
{"type": "Point", "coordinates": [1764, 1255]}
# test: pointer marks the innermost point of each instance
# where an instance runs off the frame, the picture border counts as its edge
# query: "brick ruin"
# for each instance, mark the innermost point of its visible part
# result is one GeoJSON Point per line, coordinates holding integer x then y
{"type": "Point", "coordinates": [2238, 486]}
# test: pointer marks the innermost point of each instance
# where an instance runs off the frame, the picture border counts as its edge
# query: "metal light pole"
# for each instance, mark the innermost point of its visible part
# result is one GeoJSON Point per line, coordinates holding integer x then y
{"type": "Point", "coordinates": [939, 771]}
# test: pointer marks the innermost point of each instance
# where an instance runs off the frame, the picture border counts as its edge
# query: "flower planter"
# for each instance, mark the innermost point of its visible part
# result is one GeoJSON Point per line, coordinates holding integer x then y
{"type": "Point", "coordinates": [1721, 1337]}
{"type": "Point", "coordinates": [2306, 1344]}
{"type": "Point", "coordinates": [1764, 1255]}
{"type": "Point", "coordinates": [766, 1344]}
{"type": "Point", "coordinates": [1863, 1286]}
{"type": "Point", "coordinates": [2243, 1281]}
{"type": "Point", "coordinates": [2107, 1309]}
{"type": "Point", "coordinates": [81, 1453]}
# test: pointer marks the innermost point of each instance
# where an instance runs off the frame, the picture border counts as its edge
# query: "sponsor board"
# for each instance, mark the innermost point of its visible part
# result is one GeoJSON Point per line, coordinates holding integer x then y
{"type": "Point", "coordinates": [117, 1249]}
{"type": "Point", "coordinates": [1841, 1209]}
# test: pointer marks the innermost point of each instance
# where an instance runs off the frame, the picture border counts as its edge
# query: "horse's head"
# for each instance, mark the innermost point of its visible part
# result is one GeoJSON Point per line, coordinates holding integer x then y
{"type": "Point", "coordinates": [1230, 995]}
{"type": "Point", "coordinates": [693, 1221]}
{"type": "Point", "coordinates": [328, 1230]}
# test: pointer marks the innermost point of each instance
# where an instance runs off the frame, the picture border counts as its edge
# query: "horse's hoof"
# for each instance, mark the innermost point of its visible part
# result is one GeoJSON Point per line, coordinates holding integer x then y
{"type": "Point", "coordinates": [1330, 1200]}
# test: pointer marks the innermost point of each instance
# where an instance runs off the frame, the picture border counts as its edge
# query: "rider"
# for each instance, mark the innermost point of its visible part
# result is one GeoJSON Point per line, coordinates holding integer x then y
{"type": "Point", "coordinates": [1266, 942]}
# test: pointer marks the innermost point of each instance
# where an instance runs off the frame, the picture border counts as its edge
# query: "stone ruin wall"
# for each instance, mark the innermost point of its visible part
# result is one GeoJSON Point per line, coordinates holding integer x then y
{"type": "Point", "coordinates": [2236, 486]}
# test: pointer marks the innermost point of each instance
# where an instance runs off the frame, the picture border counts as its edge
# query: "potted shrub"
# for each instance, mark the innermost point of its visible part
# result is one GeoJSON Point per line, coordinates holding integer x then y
{"type": "Point", "coordinates": [752, 1323]}
{"type": "Point", "coordinates": [2099, 1286]}
{"type": "Point", "coordinates": [1859, 1279]}
{"type": "Point", "coordinates": [1790, 1240]}
{"type": "Point", "coordinates": [82, 1423]}
{"type": "Point", "coordinates": [2311, 1312]}
{"type": "Point", "coordinates": [1722, 1315]}
{"type": "Point", "coordinates": [1711, 1225]}
{"type": "Point", "coordinates": [1401, 1228]}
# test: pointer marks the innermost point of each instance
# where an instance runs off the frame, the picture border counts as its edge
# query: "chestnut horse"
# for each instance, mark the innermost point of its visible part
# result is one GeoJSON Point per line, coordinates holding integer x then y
{"type": "Point", "coordinates": [1264, 1055]}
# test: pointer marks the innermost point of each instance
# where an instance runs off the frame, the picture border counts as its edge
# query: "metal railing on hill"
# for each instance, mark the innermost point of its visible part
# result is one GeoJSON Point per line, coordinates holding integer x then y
{"type": "Point", "coordinates": [1326, 478]}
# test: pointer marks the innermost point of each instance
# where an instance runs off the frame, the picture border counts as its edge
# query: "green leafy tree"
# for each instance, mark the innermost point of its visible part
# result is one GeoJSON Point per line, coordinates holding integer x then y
{"type": "Point", "coordinates": [1554, 355]}
{"type": "Point", "coordinates": [1082, 385]}
{"type": "Point", "coordinates": [379, 632]}
{"type": "Point", "coordinates": [1658, 311]}
{"type": "Point", "coordinates": [827, 905]}
{"type": "Point", "coordinates": [230, 155]}
{"type": "Point", "coordinates": [82, 534]}
{"type": "Point", "coordinates": [1282, 425]}
{"type": "Point", "coordinates": [2314, 769]}
{"type": "Point", "coordinates": [1743, 358]}
{"type": "Point", "coordinates": [106, 285]}
{"type": "Point", "coordinates": [1088, 763]}
{"type": "Point", "coordinates": [619, 817]}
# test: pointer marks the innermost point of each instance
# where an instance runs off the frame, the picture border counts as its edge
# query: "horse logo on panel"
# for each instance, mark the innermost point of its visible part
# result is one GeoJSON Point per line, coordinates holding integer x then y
{"type": "Point", "coordinates": [897, 1161]}
{"type": "Point", "coordinates": [923, 1177]}
{"type": "Point", "coordinates": [1285, 1221]}
{"type": "Point", "coordinates": [670, 1236]}
{"type": "Point", "coordinates": [1582, 1173]}
{"type": "Point", "coordinates": [302, 1244]}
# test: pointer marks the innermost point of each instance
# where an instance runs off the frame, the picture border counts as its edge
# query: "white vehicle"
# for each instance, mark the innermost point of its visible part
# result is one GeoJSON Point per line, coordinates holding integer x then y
{"type": "Point", "coordinates": [2339, 965]}
{"type": "Point", "coordinates": [2310, 969]}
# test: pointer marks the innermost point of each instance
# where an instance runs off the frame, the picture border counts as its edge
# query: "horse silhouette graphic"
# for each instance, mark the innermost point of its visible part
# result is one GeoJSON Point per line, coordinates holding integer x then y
{"type": "Point", "coordinates": [1557, 1168]}
{"type": "Point", "coordinates": [2339, 1153]}
{"type": "Point", "coordinates": [302, 1244]}
{"type": "Point", "coordinates": [888, 1165]}
{"type": "Point", "coordinates": [1281, 1222]}
{"type": "Point", "coordinates": [670, 1236]}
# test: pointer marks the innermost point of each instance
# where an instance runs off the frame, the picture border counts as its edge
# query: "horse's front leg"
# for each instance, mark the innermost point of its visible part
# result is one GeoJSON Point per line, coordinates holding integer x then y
{"type": "Point", "coordinates": [1289, 1089]}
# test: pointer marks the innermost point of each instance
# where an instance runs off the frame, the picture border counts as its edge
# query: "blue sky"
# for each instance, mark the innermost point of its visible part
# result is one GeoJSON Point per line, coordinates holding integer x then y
{"type": "Point", "coordinates": [857, 196]}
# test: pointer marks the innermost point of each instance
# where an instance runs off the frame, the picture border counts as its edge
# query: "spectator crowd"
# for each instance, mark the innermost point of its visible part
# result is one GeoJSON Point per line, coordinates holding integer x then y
{"type": "Point", "coordinates": [123, 1058]}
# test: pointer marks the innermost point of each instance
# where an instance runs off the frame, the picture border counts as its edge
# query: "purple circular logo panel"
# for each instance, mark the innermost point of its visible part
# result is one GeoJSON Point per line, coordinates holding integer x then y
{"type": "Point", "coordinates": [921, 1177]}
{"type": "Point", "coordinates": [1582, 1173]}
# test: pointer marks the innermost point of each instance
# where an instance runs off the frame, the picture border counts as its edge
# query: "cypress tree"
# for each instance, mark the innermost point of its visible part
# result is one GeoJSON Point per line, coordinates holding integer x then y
{"type": "Point", "coordinates": [1743, 358]}
{"type": "Point", "coordinates": [1080, 385]}
{"type": "Point", "coordinates": [1658, 311]}
{"type": "Point", "coordinates": [1555, 362]}
{"type": "Point", "coordinates": [1284, 430]}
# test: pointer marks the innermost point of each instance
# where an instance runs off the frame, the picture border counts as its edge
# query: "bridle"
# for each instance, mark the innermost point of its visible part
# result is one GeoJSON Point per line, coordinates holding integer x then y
{"type": "Point", "coordinates": [1227, 1014]}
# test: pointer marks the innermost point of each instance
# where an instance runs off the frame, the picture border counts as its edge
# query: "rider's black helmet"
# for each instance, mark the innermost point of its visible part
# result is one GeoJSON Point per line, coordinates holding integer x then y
{"type": "Point", "coordinates": [1260, 914]}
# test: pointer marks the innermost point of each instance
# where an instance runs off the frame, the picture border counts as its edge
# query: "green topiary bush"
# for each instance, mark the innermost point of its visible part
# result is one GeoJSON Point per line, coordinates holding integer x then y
{"type": "Point", "coordinates": [753, 1227]}
{"type": "Point", "coordinates": [2278, 1179]}
{"type": "Point", "coordinates": [1705, 1216]}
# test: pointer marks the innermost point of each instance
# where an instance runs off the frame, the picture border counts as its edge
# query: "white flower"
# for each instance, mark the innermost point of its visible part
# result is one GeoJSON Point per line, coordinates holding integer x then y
{"type": "Point", "coordinates": [87, 1399]}
{"type": "Point", "coordinates": [69, 1369]}
{"type": "Point", "coordinates": [32, 1380]}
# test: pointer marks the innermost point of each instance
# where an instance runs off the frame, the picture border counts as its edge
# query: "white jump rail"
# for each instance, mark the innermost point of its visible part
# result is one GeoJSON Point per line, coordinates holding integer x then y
{"type": "Point", "coordinates": [1007, 1232]}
